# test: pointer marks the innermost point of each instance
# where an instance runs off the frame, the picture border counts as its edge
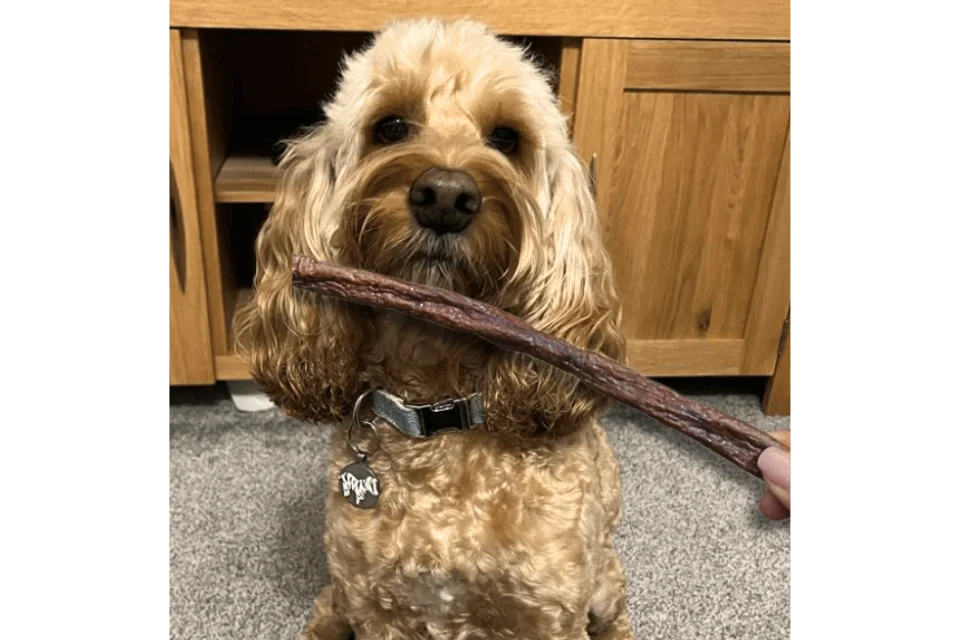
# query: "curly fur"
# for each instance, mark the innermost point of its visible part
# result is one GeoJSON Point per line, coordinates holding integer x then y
{"type": "Point", "coordinates": [504, 532]}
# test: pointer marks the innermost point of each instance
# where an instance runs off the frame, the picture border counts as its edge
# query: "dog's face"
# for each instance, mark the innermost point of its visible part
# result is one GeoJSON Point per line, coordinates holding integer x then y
{"type": "Point", "coordinates": [447, 146]}
{"type": "Point", "coordinates": [444, 160]}
{"type": "Point", "coordinates": [438, 149]}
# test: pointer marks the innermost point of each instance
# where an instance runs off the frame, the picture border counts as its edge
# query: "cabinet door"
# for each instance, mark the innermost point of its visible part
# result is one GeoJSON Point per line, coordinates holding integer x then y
{"type": "Point", "coordinates": [689, 141]}
{"type": "Point", "coordinates": [191, 357]}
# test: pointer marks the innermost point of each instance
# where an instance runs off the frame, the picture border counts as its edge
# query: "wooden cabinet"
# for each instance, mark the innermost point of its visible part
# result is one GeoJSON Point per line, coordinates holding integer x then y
{"type": "Point", "coordinates": [689, 140]}
{"type": "Point", "coordinates": [690, 144]}
{"type": "Point", "coordinates": [191, 360]}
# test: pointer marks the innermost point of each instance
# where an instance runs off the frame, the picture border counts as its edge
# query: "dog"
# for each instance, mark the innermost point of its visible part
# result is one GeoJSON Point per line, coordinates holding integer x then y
{"type": "Point", "coordinates": [445, 160]}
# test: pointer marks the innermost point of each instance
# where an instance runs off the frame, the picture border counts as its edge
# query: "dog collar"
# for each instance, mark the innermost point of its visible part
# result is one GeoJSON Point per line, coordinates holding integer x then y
{"type": "Point", "coordinates": [426, 420]}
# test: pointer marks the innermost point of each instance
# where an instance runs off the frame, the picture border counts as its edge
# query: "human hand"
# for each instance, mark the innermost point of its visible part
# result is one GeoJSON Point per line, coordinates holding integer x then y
{"type": "Point", "coordinates": [774, 464]}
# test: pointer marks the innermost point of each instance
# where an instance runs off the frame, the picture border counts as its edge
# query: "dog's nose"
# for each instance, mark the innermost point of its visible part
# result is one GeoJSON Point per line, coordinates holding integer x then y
{"type": "Point", "coordinates": [444, 200]}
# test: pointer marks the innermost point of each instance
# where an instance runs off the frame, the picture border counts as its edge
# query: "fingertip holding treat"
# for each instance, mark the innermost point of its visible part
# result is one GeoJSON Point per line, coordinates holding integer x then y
{"type": "Point", "coordinates": [774, 464]}
{"type": "Point", "coordinates": [771, 508]}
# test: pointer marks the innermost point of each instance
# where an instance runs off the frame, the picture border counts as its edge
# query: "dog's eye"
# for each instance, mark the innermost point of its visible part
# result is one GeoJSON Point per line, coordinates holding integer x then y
{"type": "Point", "coordinates": [504, 140]}
{"type": "Point", "coordinates": [391, 129]}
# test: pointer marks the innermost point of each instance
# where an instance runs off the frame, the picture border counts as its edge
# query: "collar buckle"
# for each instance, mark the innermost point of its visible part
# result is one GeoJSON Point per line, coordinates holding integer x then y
{"type": "Point", "coordinates": [445, 415]}
{"type": "Point", "coordinates": [425, 420]}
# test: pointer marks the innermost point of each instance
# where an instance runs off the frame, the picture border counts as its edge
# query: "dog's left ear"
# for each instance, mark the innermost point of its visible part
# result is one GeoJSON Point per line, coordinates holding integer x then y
{"type": "Point", "coordinates": [582, 305]}
{"type": "Point", "coordinates": [303, 348]}
{"type": "Point", "coordinates": [568, 292]}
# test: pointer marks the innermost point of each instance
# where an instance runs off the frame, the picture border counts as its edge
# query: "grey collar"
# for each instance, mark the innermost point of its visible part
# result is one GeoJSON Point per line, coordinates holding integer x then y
{"type": "Point", "coordinates": [426, 420]}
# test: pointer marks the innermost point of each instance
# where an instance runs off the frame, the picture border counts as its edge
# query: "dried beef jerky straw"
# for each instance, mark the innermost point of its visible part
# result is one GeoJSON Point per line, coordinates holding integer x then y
{"type": "Point", "coordinates": [734, 440]}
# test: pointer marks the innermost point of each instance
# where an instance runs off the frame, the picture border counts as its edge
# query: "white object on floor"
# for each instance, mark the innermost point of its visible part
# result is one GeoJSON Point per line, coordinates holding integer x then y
{"type": "Point", "coordinates": [247, 396]}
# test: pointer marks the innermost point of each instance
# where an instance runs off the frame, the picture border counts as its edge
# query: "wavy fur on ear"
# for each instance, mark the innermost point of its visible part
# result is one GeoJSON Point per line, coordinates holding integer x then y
{"type": "Point", "coordinates": [566, 290]}
{"type": "Point", "coordinates": [303, 348]}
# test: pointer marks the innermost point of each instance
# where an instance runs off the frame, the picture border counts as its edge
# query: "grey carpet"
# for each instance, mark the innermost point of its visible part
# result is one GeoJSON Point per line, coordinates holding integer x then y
{"type": "Point", "coordinates": [246, 518]}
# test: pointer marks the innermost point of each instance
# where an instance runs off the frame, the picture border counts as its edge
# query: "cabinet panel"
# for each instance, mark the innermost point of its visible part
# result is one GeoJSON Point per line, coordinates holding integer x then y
{"type": "Point", "coordinates": [696, 65]}
{"type": "Point", "coordinates": [689, 142]}
{"type": "Point", "coordinates": [686, 222]}
{"type": "Point", "coordinates": [191, 357]}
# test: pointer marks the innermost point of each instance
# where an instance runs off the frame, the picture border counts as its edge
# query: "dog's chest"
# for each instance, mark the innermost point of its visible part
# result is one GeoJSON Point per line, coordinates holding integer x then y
{"type": "Point", "coordinates": [464, 533]}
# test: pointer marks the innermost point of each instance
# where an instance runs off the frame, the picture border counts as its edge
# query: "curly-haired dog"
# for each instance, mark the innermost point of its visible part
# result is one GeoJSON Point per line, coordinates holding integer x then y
{"type": "Point", "coordinates": [445, 160]}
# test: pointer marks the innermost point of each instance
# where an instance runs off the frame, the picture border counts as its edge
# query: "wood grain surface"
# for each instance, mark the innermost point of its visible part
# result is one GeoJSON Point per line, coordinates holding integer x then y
{"type": "Point", "coordinates": [713, 19]}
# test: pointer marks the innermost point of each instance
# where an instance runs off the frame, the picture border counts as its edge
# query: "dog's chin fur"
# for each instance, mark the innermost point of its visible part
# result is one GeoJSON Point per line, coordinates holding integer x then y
{"type": "Point", "coordinates": [505, 531]}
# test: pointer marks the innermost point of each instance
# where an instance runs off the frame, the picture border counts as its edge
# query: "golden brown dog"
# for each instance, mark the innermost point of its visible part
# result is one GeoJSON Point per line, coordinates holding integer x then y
{"type": "Point", "coordinates": [445, 160]}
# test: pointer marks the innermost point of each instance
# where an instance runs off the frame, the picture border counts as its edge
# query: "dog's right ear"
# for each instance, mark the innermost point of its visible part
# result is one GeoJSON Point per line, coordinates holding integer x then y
{"type": "Point", "coordinates": [302, 347]}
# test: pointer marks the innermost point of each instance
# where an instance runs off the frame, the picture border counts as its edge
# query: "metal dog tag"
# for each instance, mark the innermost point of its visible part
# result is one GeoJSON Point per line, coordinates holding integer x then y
{"type": "Point", "coordinates": [360, 485]}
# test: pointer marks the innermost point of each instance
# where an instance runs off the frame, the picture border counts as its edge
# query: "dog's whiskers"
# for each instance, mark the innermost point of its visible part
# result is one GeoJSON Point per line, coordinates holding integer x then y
{"type": "Point", "coordinates": [364, 224]}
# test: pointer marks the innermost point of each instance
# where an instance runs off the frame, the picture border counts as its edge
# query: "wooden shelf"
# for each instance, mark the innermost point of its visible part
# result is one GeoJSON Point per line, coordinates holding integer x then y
{"type": "Point", "coordinates": [245, 178]}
